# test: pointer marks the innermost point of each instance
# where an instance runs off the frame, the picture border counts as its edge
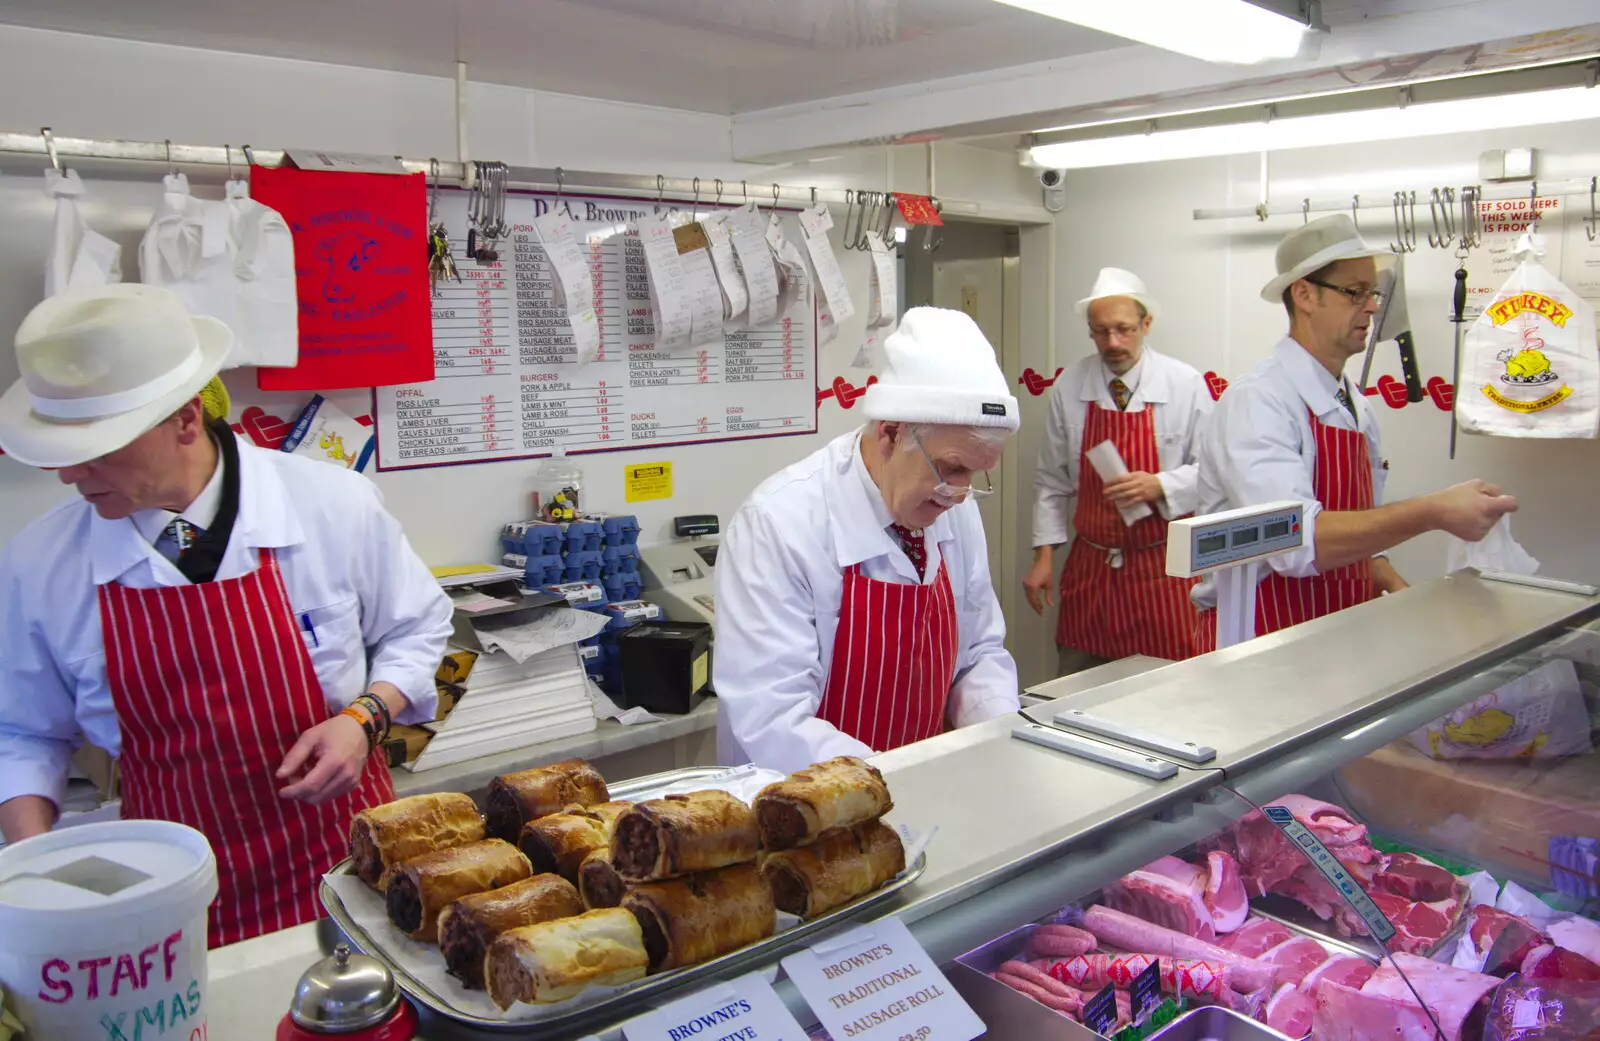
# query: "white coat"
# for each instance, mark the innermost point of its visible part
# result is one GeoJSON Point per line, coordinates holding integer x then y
{"type": "Point", "coordinates": [368, 608]}
{"type": "Point", "coordinates": [1259, 448]}
{"type": "Point", "coordinates": [79, 257]}
{"type": "Point", "coordinates": [779, 582]}
{"type": "Point", "coordinates": [1184, 400]}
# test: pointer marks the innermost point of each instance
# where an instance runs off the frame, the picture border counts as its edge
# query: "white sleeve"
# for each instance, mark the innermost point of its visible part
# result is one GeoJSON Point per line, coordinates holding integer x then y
{"type": "Point", "coordinates": [768, 668]}
{"type": "Point", "coordinates": [1255, 444]}
{"type": "Point", "coordinates": [405, 615]}
{"type": "Point", "coordinates": [1180, 486]}
{"type": "Point", "coordinates": [1055, 488]}
{"type": "Point", "coordinates": [986, 675]}
{"type": "Point", "coordinates": [38, 715]}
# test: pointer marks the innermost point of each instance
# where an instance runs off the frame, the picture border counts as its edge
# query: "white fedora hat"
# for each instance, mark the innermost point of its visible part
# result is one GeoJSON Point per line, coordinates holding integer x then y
{"type": "Point", "coordinates": [102, 366]}
{"type": "Point", "coordinates": [1115, 281]}
{"type": "Point", "coordinates": [1312, 247]}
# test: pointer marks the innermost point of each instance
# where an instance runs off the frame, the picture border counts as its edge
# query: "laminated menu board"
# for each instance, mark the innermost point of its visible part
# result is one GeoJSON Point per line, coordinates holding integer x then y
{"type": "Point", "coordinates": [509, 382]}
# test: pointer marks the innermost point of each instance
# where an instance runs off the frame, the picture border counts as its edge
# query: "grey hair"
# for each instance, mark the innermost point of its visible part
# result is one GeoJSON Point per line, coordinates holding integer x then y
{"type": "Point", "coordinates": [919, 431]}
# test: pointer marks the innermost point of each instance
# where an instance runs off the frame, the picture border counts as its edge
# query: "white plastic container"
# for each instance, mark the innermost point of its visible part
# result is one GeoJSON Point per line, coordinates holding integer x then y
{"type": "Point", "coordinates": [559, 484]}
{"type": "Point", "coordinates": [103, 931]}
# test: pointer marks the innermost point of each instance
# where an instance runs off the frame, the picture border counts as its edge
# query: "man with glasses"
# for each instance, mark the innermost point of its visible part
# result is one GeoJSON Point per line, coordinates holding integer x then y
{"type": "Point", "coordinates": [855, 612]}
{"type": "Point", "coordinates": [1116, 597]}
{"type": "Point", "coordinates": [1294, 428]}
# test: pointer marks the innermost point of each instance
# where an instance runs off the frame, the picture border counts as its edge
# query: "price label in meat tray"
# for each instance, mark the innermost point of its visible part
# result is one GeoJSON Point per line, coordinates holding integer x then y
{"type": "Point", "coordinates": [876, 983]}
{"type": "Point", "coordinates": [1377, 924]}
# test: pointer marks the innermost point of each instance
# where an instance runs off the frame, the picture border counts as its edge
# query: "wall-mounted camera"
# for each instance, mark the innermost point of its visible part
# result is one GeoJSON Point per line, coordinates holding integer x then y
{"type": "Point", "coordinates": [1052, 183]}
{"type": "Point", "coordinates": [1051, 178]}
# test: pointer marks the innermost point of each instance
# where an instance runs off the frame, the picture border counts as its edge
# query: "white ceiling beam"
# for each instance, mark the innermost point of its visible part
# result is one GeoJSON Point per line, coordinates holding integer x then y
{"type": "Point", "coordinates": [1022, 98]}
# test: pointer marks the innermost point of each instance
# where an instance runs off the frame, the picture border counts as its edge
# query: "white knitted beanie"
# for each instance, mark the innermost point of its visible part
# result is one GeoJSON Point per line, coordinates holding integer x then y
{"type": "Point", "coordinates": [939, 368]}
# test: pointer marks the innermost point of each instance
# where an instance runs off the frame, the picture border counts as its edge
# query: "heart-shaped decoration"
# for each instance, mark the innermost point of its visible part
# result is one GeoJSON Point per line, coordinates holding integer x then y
{"type": "Point", "coordinates": [264, 430]}
{"type": "Point", "coordinates": [823, 394]}
{"type": "Point", "coordinates": [1392, 391]}
{"type": "Point", "coordinates": [1037, 383]}
{"type": "Point", "coordinates": [1442, 393]}
{"type": "Point", "coordinates": [1217, 385]}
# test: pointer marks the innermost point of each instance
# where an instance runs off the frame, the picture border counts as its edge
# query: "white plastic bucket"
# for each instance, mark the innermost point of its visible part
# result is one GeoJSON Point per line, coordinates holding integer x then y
{"type": "Point", "coordinates": [103, 932]}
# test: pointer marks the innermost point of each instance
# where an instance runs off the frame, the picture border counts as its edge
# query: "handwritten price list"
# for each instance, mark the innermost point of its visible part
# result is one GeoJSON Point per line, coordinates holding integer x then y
{"type": "Point", "coordinates": [508, 380]}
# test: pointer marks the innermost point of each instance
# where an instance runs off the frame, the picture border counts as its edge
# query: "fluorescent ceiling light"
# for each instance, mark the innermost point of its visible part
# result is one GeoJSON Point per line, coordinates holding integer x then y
{"type": "Point", "coordinates": [1216, 30]}
{"type": "Point", "coordinates": [1534, 108]}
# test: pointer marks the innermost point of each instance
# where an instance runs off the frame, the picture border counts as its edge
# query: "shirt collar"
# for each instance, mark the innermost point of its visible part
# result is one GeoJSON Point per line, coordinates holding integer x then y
{"type": "Point", "coordinates": [1314, 383]}
{"type": "Point", "coordinates": [1148, 381]}
{"type": "Point", "coordinates": [202, 512]}
{"type": "Point", "coordinates": [853, 497]}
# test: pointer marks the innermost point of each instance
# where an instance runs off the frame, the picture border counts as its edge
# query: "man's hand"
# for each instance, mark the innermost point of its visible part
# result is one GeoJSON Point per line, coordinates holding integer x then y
{"type": "Point", "coordinates": [1133, 488]}
{"type": "Point", "coordinates": [326, 762]}
{"type": "Point", "coordinates": [1468, 510]}
{"type": "Point", "coordinates": [1385, 579]}
{"type": "Point", "coordinates": [25, 816]}
{"type": "Point", "coordinates": [1037, 583]}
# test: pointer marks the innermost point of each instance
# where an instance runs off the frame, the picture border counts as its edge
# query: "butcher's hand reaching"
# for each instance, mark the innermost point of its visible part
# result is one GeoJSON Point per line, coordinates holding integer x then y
{"type": "Point", "coordinates": [1038, 584]}
{"type": "Point", "coordinates": [1469, 509]}
{"type": "Point", "coordinates": [1133, 488]}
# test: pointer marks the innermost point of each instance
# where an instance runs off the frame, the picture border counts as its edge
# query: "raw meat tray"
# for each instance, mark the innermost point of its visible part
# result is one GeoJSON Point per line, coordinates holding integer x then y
{"type": "Point", "coordinates": [633, 995]}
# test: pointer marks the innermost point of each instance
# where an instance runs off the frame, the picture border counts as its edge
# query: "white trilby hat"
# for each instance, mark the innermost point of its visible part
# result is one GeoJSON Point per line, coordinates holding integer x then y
{"type": "Point", "coordinates": [939, 368]}
{"type": "Point", "coordinates": [1115, 281]}
{"type": "Point", "coordinates": [102, 366]}
{"type": "Point", "coordinates": [1312, 247]}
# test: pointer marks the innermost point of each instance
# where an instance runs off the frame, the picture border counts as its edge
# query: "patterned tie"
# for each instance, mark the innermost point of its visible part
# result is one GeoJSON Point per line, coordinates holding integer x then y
{"type": "Point", "coordinates": [1120, 394]}
{"type": "Point", "coordinates": [175, 538]}
{"type": "Point", "coordinates": [1344, 399]}
{"type": "Point", "coordinates": [912, 543]}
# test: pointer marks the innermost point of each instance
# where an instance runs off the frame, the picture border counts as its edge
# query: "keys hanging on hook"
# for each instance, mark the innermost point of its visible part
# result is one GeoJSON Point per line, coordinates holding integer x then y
{"type": "Point", "coordinates": [441, 261]}
{"type": "Point", "coordinates": [1441, 211]}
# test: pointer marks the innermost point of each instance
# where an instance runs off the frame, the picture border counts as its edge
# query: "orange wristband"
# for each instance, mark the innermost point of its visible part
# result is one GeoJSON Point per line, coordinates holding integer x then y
{"type": "Point", "coordinates": [356, 714]}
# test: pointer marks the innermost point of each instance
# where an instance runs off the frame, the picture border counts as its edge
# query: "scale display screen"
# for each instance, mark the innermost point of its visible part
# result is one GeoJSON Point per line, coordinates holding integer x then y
{"type": "Point", "coordinates": [1246, 536]}
{"type": "Point", "coordinates": [1277, 529]}
{"type": "Point", "coordinates": [1198, 545]}
{"type": "Point", "coordinates": [1213, 543]}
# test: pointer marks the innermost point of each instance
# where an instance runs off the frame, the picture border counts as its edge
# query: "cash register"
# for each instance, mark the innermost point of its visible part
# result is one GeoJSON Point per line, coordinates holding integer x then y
{"type": "Point", "coordinates": [677, 575]}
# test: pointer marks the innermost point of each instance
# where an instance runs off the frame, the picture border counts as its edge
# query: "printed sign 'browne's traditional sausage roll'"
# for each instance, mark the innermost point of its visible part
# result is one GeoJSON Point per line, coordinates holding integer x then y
{"type": "Point", "coordinates": [843, 864]}
{"type": "Point", "coordinates": [833, 794]}
{"type": "Point", "coordinates": [678, 834]}
{"type": "Point", "coordinates": [385, 836]}
{"type": "Point", "coordinates": [421, 887]}
{"type": "Point", "coordinates": [468, 925]}
{"type": "Point", "coordinates": [553, 961]}
{"type": "Point", "coordinates": [515, 799]}
{"type": "Point", "coordinates": [694, 919]}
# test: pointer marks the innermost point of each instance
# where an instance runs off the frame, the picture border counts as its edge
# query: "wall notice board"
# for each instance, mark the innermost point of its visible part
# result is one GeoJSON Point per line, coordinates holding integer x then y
{"type": "Point", "coordinates": [508, 384]}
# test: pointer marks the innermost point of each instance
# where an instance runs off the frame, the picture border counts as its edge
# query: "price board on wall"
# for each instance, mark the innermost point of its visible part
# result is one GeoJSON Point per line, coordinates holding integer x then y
{"type": "Point", "coordinates": [508, 380]}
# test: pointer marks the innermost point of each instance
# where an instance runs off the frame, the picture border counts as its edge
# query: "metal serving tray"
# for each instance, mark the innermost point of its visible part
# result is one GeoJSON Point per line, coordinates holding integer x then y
{"type": "Point", "coordinates": [1216, 1024]}
{"type": "Point", "coordinates": [634, 995]}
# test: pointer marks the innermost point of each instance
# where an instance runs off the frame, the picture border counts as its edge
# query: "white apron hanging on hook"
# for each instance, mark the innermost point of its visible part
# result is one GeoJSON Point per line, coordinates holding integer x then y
{"type": "Point", "coordinates": [186, 249]}
{"type": "Point", "coordinates": [267, 332]}
{"type": "Point", "coordinates": [1530, 366]}
{"type": "Point", "coordinates": [79, 256]}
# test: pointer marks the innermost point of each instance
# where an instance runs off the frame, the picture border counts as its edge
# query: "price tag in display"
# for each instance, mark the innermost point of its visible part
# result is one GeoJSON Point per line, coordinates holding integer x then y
{"type": "Point", "coordinates": [876, 983]}
{"type": "Point", "coordinates": [745, 1009]}
{"type": "Point", "coordinates": [1311, 846]}
{"type": "Point", "coordinates": [1146, 991]}
{"type": "Point", "coordinates": [1100, 1011]}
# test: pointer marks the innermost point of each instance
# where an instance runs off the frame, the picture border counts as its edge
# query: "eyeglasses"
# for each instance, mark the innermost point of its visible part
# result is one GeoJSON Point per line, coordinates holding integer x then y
{"type": "Point", "coordinates": [944, 493]}
{"type": "Point", "coordinates": [1103, 333]}
{"type": "Point", "coordinates": [1359, 297]}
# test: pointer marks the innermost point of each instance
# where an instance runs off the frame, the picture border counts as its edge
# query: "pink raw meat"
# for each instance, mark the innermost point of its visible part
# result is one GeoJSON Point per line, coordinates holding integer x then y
{"type": "Point", "coordinates": [1225, 897]}
{"type": "Point", "coordinates": [1556, 963]}
{"type": "Point", "coordinates": [1163, 900]}
{"type": "Point", "coordinates": [1410, 876]}
{"type": "Point", "coordinates": [1255, 937]}
{"type": "Point", "coordinates": [1290, 1012]}
{"type": "Point", "coordinates": [1450, 993]}
{"type": "Point", "coordinates": [1418, 926]}
{"type": "Point", "coordinates": [1125, 932]}
{"type": "Point", "coordinates": [1343, 1014]}
{"type": "Point", "coordinates": [1344, 969]}
{"type": "Point", "coordinates": [1178, 870]}
{"type": "Point", "coordinates": [1295, 958]}
{"type": "Point", "coordinates": [1513, 935]}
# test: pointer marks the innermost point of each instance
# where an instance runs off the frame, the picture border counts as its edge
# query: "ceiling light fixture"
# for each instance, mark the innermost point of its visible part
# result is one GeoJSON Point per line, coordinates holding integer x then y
{"type": "Point", "coordinates": [1535, 108]}
{"type": "Point", "coordinates": [1234, 31]}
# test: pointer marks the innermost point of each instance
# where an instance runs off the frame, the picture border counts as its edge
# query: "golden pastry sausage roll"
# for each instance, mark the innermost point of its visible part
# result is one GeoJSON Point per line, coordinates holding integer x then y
{"type": "Point", "coordinates": [841, 865]}
{"type": "Point", "coordinates": [686, 921]}
{"type": "Point", "coordinates": [515, 799]}
{"type": "Point", "coordinates": [553, 961]}
{"type": "Point", "coordinates": [422, 887]}
{"type": "Point", "coordinates": [559, 843]}
{"type": "Point", "coordinates": [832, 794]}
{"type": "Point", "coordinates": [679, 834]}
{"type": "Point", "coordinates": [469, 924]}
{"type": "Point", "coordinates": [387, 835]}
{"type": "Point", "coordinates": [598, 882]}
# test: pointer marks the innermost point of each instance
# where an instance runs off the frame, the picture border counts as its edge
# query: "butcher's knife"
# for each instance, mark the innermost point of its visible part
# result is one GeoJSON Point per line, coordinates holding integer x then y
{"type": "Point", "coordinates": [1393, 322]}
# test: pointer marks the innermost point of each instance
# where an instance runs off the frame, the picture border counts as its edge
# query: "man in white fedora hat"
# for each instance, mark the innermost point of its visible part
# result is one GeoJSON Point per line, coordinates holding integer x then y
{"type": "Point", "coordinates": [1116, 597]}
{"type": "Point", "coordinates": [1294, 429]}
{"type": "Point", "coordinates": [237, 626]}
{"type": "Point", "coordinates": [855, 611]}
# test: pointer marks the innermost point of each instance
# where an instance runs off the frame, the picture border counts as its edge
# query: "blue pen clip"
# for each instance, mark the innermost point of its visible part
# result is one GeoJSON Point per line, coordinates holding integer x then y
{"type": "Point", "coordinates": [305, 620]}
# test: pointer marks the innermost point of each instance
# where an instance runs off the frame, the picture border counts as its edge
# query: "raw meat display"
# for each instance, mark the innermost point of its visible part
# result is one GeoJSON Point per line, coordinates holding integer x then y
{"type": "Point", "coordinates": [1060, 941]}
{"type": "Point", "coordinates": [1290, 1011]}
{"type": "Point", "coordinates": [1225, 896]}
{"type": "Point", "coordinates": [1410, 876]}
{"type": "Point", "coordinates": [1450, 993]}
{"type": "Point", "coordinates": [1127, 933]}
{"type": "Point", "coordinates": [1295, 958]}
{"type": "Point", "coordinates": [1164, 900]}
{"type": "Point", "coordinates": [1255, 937]}
{"type": "Point", "coordinates": [1419, 926]}
{"type": "Point", "coordinates": [1557, 963]}
{"type": "Point", "coordinates": [1502, 940]}
{"type": "Point", "coordinates": [1344, 969]}
{"type": "Point", "coordinates": [1346, 1014]}
{"type": "Point", "coordinates": [1185, 977]}
{"type": "Point", "coordinates": [1578, 935]}
{"type": "Point", "coordinates": [1546, 1010]}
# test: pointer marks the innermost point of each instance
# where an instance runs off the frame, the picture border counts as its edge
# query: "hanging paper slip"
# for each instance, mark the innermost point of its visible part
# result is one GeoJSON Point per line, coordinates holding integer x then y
{"type": "Point", "coordinates": [573, 286]}
{"type": "Point", "coordinates": [755, 257]}
{"type": "Point", "coordinates": [735, 297]}
{"type": "Point", "coordinates": [705, 296]}
{"type": "Point", "coordinates": [669, 283]}
{"type": "Point", "coordinates": [884, 299]}
{"type": "Point", "coordinates": [791, 266]}
{"type": "Point", "coordinates": [815, 224]}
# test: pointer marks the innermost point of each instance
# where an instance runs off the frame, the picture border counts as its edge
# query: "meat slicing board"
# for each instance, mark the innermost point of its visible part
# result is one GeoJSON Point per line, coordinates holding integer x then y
{"type": "Point", "coordinates": [419, 969]}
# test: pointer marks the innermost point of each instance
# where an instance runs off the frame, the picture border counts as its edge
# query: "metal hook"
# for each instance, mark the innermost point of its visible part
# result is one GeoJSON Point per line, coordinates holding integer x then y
{"type": "Point", "coordinates": [745, 186]}
{"type": "Point", "coordinates": [718, 182]}
{"type": "Point", "coordinates": [1533, 207]}
{"type": "Point", "coordinates": [1471, 224]}
{"type": "Point", "coordinates": [1442, 202]}
{"type": "Point", "coordinates": [433, 189]}
{"type": "Point", "coordinates": [661, 191]}
{"type": "Point", "coordinates": [227, 151]}
{"type": "Point", "coordinates": [1593, 219]}
{"type": "Point", "coordinates": [172, 168]}
{"type": "Point", "coordinates": [249, 156]}
{"type": "Point", "coordinates": [845, 238]}
{"type": "Point", "coordinates": [813, 195]}
{"type": "Point", "coordinates": [1305, 210]}
{"type": "Point", "coordinates": [1405, 233]}
{"type": "Point", "coordinates": [929, 243]}
{"type": "Point", "coordinates": [868, 219]}
{"type": "Point", "coordinates": [774, 196]}
{"type": "Point", "coordinates": [1355, 212]}
{"type": "Point", "coordinates": [55, 160]}
{"type": "Point", "coordinates": [694, 213]}
{"type": "Point", "coordinates": [889, 210]}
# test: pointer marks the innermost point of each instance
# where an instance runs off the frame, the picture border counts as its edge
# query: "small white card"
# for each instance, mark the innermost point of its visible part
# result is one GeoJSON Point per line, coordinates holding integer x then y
{"type": "Point", "coordinates": [745, 1009]}
{"type": "Point", "coordinates": [876, 983]}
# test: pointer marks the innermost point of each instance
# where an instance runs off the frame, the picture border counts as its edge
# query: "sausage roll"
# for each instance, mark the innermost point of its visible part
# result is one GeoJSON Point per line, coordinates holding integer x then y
{"type": "Point", "coordinates": [843, 864]}
{"type": "Point", "coordinates": [832, 794]}
{"type": "Point", "coordinates": [686, 921]}
{"type": "Point", "coordinates": [553, 961]}
{"type": "Point", "coordinates": [515, 799]}
{"type": "Point", "coordinates": [678, 834]}
{"type": "Point", "coordinates": [468, 925]}
{"type": "Point", "coordinates": [560, 841]}
{"type": "Point", "coordinates": [598, 882]}
{"type": "Point", "coordinates": [421, 887]}
{"type": "Point", "coordinates": [391, 834]}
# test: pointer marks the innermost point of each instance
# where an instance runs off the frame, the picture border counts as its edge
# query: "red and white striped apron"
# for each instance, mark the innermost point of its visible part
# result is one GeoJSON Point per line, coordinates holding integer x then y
{"type": "Point", "coordinates": [212, 685]}
{"type": "Point", "coordinates": [1342, 480]}
{"type": "Point", "coordinates": [894, 657]}
{"type": "Point", "coordinates": [1137, 608]}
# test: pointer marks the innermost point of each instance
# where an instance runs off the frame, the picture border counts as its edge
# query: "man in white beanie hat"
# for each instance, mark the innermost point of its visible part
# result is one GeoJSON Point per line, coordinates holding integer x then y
{"type": "Point", "coordinates": [1293, 429]}
{"type": "Point", "coordinates": [236, 626]}
{"type": "Point", "coordinates": [855, 611]}
{"type": "Point", "coordinates": [1116, 597]}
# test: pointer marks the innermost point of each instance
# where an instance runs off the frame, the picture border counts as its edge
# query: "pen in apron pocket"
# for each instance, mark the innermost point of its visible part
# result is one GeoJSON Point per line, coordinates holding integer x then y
{"type": "Point", "coordinates": [305, 620]}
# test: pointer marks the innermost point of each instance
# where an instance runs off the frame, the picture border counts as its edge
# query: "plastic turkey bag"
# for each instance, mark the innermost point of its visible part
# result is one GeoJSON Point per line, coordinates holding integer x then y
{"type": "Point", "coordinates": [1540, 715]}
{"type": "Point", "coordinates": [1496, 551]}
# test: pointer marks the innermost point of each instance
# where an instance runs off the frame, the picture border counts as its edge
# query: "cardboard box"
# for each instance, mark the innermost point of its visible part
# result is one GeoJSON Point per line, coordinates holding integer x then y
{"type": "Point", "coordinates": [456, 667]}
{"type": "Point", "coordinates": [405, 744]}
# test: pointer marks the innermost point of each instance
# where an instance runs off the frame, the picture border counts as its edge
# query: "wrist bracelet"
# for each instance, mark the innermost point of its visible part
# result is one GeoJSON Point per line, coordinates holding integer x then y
{"type": "Point", "coordinates": [380, 715]}
{"type": "Point", "coordinates": [368, 724]}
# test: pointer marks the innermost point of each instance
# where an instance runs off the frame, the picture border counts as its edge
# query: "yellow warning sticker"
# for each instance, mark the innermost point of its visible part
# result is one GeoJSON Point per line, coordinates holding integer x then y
{"type": "Point", "coordinates": [646, 481]}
